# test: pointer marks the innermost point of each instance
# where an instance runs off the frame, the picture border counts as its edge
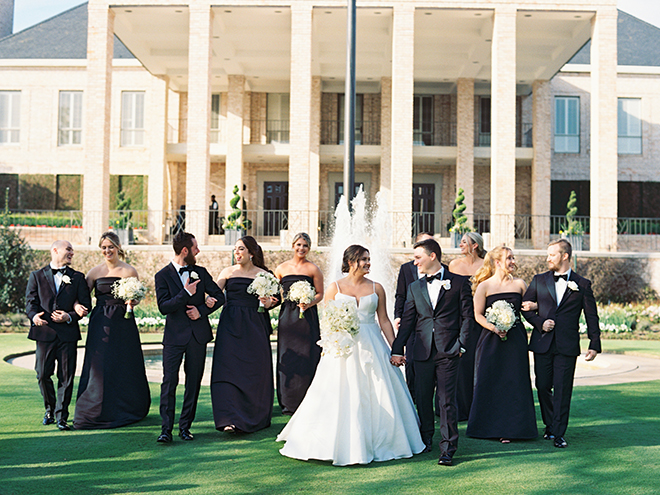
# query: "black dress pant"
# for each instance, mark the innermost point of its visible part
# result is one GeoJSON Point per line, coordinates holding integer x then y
{"type": "Point", "coordinates": [65, 354]}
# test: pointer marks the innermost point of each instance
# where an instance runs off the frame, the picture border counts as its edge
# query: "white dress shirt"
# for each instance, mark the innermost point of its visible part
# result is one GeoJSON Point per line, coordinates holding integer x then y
{"type": "Point", "coordinates": [58, 276]}
{"type": "Point", "coordinates": [182, 276]}
{"type": "Point", "coordinates": [434, 287]}
{"type": "Point", "coordinates": [561, 285]}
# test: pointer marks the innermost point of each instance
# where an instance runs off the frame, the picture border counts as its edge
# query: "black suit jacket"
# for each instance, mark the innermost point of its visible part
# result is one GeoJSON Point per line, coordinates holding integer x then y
{"type": "Point", "coordinates": [407, 275]}
{"type": "Point", "coordinates": [41, 295]}
{"type": "Point", "coordinates": [173, 300]}
{"type": "Point", "coordinates": [566, 316]}
{"type": "Point", "coordinates": [448, 323]}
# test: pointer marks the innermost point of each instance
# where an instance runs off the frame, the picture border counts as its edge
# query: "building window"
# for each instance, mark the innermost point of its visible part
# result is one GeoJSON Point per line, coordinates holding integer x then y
{"type": "Point", "coordinates": [567, 124]}
{"type": "Point", "coordinates": [215, 118]}
{"type": "Point", "coordinates": [630, 126]}
{"type": "Point", "coordinates": [359, 117]}
{"type": "Point", "coordinates": [277, 118]}
{"type": "Point", "coordinates": [10, 116]}
{"type": "Point", "coordinates": [423, 120]}
{"type": "Point", "coordinates": [132, 118]}
{"type": "Point", "coordinates": [69, 128]}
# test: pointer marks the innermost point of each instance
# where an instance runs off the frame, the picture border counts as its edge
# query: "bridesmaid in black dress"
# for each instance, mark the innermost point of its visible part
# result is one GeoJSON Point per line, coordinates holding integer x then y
{"type": "Point", "coordinates": [297, 351]}
{"type": "Point", "coordinates": [113, 389]}
{"type": "Point", "coordinates": [503, 405]}
{"type": "Point", "coordinates": [242, 374]}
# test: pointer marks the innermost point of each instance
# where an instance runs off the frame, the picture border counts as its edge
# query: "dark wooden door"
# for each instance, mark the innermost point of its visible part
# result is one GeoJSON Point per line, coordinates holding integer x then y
{"type": "Point", "coordinates": [276, 206]}
{"type": "Point", "coordinates": [423, 208]}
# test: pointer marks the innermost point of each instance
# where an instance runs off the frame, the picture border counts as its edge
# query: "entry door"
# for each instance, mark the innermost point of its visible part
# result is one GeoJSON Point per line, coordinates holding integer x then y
{"type": "Point", "coordinates": [339, 190]}
{"type": "Point", "coordinates": [276, 206]}
{"type": "Point", "coordinates": [423, 208]}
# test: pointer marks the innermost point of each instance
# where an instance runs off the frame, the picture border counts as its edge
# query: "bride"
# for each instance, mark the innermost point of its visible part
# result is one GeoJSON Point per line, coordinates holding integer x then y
{"type": "Point", "coordinates": [358, 408]}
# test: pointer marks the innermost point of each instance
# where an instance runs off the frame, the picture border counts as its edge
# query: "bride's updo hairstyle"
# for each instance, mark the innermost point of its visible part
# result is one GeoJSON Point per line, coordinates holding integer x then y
{"type": "Point", "coordinates": [489, 268]}
{"type": "Point", "coordinates": [114, 239]}
{"type": "Point", "coordinates": [256, 253]}
{"type": "Point", "coordinates": [476, 243]}
{"type": "Point", "coordinates": [351, 255]}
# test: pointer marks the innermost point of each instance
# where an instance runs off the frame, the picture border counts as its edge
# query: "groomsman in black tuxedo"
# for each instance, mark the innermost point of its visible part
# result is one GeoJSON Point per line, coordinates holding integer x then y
{"type": "Point", "coordinates": [181, 289]}
{"type": "Point", "coordinates": [439, 311]}
{"type": "Point", "coordinates": [561, 295]}
{"type": "Point", "coordinates": [408, 273]}
{"type": "Point", "coordinates": [50, 296]}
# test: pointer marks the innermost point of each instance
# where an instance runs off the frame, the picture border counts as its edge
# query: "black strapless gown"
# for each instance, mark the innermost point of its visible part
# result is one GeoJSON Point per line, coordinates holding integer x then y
{"type": "Point", "coordinates": [242, 389]}
{"type": "Point", "coordinates": [113, 389]}
{"type": "Point", "coordinates": [465, 385]}
{"type": "Point", "coordinates": [298, 354]}
{"type": "Point", "coordinates": [503, 405]}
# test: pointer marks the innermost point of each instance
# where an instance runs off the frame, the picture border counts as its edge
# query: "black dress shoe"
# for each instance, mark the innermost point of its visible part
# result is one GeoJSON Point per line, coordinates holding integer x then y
{"type": "Point", "coordinates": [560, 443]}
{"type": "Point", "coordinates": [548, 434]}
{"type": "Point", "coordinates": [427, 449]}
{"type": "Point", "coordinates": [445, 460]}
{"type": "Point", "coordinates": [48, 419]}
{"type": "Point", "coordinates": [63, 426]}
{"type": "Point", "coordinates": [186, 435]}
{"type": "Point", "coordinates": [165, 437]}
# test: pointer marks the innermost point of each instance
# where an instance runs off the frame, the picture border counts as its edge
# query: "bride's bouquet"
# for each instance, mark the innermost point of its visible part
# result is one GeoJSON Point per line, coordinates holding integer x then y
{"type": "Point", "coordinates": [301, 292]}
{"type": "Point", "coordinates": [340, 323]}
{"type": "Point", "coordinates": [502, 315]}
{"type": "Point", "coordinates": [129, 289]}
{"type": "Point", "coordinates": [264, 285]}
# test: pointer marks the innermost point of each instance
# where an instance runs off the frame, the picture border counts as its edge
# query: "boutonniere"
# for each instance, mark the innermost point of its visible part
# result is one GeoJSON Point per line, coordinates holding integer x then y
{"type": "Point", "coordinates": [194, 276]}
{"type": "Point", "coordinates": [446, 284]}
{"type": "Point", "coordinates": [572, 285]}
{"type": "Point", "coordinates": [66, 279]}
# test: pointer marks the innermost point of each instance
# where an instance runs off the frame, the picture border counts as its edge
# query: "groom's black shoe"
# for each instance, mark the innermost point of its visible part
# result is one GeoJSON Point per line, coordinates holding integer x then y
{"type": "Point", "coordinates": [48, 419]}
{"type": "Point", "coordinates": [445, 460]}
{"type": "Point", "coordinates": [63, 426]}
{"type": "Point", "coordinates": [548, 434]}
{"type": "Point", "coordinates": [165, 437]}
{"type": "Point", "coordinates": [560, 443]}
{"type": "Point", "coordinates": [185, 434]}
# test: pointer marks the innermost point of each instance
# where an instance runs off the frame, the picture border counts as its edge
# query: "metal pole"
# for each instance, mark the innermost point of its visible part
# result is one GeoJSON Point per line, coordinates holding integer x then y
{"type": "Point", "coordinates": [349, 108]}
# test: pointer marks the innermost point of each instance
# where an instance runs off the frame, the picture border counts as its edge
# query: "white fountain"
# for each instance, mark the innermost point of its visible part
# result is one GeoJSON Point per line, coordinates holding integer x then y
{"type": "Point", "coordinates": [371, 227]}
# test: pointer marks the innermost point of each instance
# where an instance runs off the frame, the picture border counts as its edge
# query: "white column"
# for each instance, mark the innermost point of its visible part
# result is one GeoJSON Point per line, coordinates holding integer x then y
{"type": "Point", "coordinates": [96, 183]}
{"type": "Point", "coordinates": [157, 185]}
{"type": "Point", "coordinates": [604, 159]}
{"type": "Point", "coordinates": [234, 161]}
{"type": "Point", "coordinates": [386, 137]}
{"type": "Point", "coordinates": [503, 128]}
{"type": "Point", "coordinates": [198, 168]}
{"type": "Point", "coordinates": [541, 162]}
{"type": "Point", "coordinates": [465, 142]}
{"type": "Point", "coordinates": [403, 51]}
{"type": "Point", "coordinates": [315, 160]}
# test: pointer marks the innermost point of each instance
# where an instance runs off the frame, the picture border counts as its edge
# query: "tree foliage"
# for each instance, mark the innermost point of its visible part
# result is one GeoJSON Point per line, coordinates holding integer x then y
{"type": "Point", "coordinates": [16, 263]}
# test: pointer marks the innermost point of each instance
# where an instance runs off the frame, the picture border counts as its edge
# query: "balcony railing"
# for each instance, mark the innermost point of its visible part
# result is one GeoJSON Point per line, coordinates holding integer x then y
{"type": "Point", "coordinates": [435, 134]}
{"type": "Point", "coordinates": [524, 136]}
{"type": "Point", "coordinates": [269, 131]}
{"type": "Point", "coordinates": [366, 132]}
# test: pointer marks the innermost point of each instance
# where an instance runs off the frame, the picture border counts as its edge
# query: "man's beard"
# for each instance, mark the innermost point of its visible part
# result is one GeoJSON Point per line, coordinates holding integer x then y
{"type": "Point", "coordinates": [190, 259]}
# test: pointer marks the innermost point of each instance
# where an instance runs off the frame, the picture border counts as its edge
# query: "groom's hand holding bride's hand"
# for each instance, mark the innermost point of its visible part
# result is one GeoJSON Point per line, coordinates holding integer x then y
{"type": "Point", "coordinates": [398, 360]}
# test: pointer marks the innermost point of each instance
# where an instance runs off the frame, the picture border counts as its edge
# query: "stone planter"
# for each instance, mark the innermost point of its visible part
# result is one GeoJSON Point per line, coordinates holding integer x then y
{"type": "Point", "coordinates": [232, 235]}
{"type": "Point", "coordinates": [575, 240]}
{"type": "Point", "coordinates": [455, 239]}
{"type": "Point", "coordinates": [125, 236]}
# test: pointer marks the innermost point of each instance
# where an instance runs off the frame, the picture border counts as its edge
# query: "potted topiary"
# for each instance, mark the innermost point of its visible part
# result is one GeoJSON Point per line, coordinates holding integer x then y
{"type": "Point", "coordinates": [572, 229]}
{"type": "Point", "coordinates": [122, 226]}
{"type": "Point", "coordinates": [234, 225]}
{"type": "Point", "coordinates": [460, 226]}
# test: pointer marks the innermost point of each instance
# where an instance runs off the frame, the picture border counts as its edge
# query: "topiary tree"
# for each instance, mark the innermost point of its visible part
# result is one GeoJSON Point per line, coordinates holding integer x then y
{"type": "Point", "coordinates": [16, 263]}
{"type": "Point", "coordinates": [123, 207]}
{"type": "Point", "coordinates": [233, 221]}
{"type": "Point", "coordinates": [460, 219]}
{"type": "Point", "coordinates": [572, 226]}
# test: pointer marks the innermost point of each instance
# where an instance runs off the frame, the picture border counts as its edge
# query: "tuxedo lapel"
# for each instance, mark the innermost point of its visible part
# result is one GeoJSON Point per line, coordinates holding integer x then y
{"type": "Point", "coordinates": [568, 290]}
{"type": "Point", "coordinates": [424, 290]}
{"type": "Point", "coordinates": [175, 276]}
{"type": "Point", "coordinates": [550, 284]}
{"type": "Point", "coordinates": [48, 275]}
{"type": "Point", "coordinates": [442, 290]}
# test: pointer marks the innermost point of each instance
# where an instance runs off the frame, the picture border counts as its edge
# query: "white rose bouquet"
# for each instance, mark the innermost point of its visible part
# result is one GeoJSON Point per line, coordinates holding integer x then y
{"type": "Point", "coordinates": [301, 292]}
{"type": "Point", "coordinates": [502, 315]}
{"type": "Point", "coordinates": [129, 289]}
{"type": "Point", "coordinates": [340, 323]}
{"type": "Point", "coordinates": [264, 285]}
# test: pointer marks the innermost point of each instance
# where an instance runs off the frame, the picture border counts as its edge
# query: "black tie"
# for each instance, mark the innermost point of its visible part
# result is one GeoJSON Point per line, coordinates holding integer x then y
{"type": "Point", "coordinates": [58, 270]}
{"type": "Point", "coordinates": [184, 269]}
{"type": "Point", "coordinates": [564, 276]}
{"type": "Point", "coordinates": [431, 278]}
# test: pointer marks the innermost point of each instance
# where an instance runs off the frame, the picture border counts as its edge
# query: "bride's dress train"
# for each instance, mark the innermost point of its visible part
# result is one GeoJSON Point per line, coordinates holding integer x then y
{"type": "Point", "coordinates": [358, 408]}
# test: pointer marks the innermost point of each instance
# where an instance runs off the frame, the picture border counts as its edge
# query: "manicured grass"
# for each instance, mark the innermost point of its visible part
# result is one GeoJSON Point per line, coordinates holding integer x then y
{"type": "Point", "coordinates": [614, 448]}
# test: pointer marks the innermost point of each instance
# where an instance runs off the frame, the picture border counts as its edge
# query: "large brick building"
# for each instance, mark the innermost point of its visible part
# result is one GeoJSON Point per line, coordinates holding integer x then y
{"type": "Point", "coordinates": [516, 102]}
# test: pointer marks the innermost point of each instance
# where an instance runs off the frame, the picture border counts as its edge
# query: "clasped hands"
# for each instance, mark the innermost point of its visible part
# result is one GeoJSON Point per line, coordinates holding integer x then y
{"type": "Point", "coordinates": [398, 361]}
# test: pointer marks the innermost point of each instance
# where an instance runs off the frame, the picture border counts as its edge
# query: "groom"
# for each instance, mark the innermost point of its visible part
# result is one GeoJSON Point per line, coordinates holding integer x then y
{"type": "Point", "coordinates": [439, 310]}
{"type": "Point", "coordinates": [562, 295]}
{"type": "Point", "coordinates": [180, 291]}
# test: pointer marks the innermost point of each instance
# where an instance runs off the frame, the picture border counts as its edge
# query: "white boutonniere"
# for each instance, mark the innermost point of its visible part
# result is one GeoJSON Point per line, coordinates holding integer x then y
{"type": "Point", "coordinates": [194, 276]}
{"type": "Point", "coordinates": [572, 285]}
{"type": "Point", "coordinates": [446, 284]}
{"type": "Point", "coordinates": [66, 279]}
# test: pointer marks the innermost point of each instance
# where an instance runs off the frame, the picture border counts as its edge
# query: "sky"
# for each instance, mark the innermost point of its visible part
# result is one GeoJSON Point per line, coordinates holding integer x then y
{"type": "Point", "coordinates": [30, 12]}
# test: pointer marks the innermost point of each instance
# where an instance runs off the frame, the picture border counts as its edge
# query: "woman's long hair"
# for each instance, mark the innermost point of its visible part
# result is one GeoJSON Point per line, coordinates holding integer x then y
{"type": "Point", "coordinates": [255, 250]}
{"type": "Point", "coordinates": [489, 268]}
{"type": "Point", "coordinates": [114, 239]}
{"type": "Point", "coordinates": [475, 238]}
{"type": "Point", "coordinates": [351, 255]}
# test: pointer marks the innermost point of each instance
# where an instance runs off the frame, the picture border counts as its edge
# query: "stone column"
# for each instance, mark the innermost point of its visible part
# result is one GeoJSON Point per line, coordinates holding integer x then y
{"type": "Point", "coordinates": [198, 168]}
{"type": "Point", "coordinates": [300, 111]}
{"type": "Point", "coordinates": [604, 159]}
{"type": "Point", "coordinates": [541, 163]}
{"type": "Point", "coordinates": [234, 161]}
{"type": "Point", "coordinates": [386, 137]}
{"type": "Point", "coordinates": [503, 128]}
{"type": "Point", "coordinates": [403, 51]}
{"type": "Point", "coordinates": [315, 161]}
{"type": "Point", "coordinates": [465, 142]}
{"type": "Point", "coordinates": [96, 183]}
{"type": "Point", "coordinates": [157, 139]}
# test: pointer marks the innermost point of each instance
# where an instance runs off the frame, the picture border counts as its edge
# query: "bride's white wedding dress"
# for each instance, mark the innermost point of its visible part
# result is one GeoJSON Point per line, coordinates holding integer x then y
{"type": "Point", "coordinates": [358, 408]}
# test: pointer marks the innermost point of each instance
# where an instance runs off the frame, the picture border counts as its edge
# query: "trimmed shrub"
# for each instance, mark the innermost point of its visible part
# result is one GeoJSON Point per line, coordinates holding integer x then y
{"type": "Point", "coordinates": [16, 263]}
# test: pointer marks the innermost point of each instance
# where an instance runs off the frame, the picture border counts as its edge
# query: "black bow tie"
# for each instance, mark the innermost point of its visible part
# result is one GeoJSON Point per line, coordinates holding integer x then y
{"type": "Point", "coordinates": [431, 278]}
{"type": "Point", "coordinates": [58, 270]}
{"type": "Point", "coordinates": [564, 276]}
{"type": "Point", "coordinates": [184, 269]}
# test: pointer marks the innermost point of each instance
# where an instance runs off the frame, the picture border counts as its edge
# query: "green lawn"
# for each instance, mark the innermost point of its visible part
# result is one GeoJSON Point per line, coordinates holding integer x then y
{"type": "Point", "coordinates": [614, 448]}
